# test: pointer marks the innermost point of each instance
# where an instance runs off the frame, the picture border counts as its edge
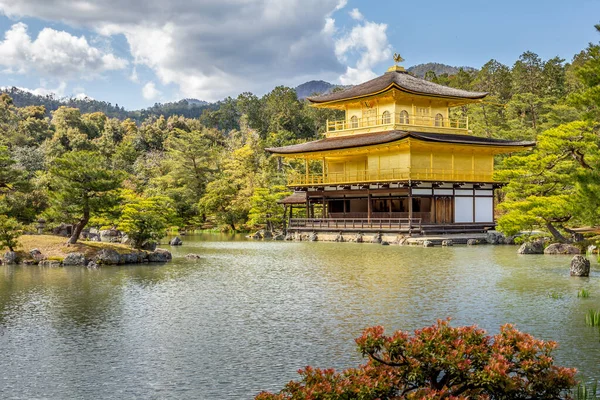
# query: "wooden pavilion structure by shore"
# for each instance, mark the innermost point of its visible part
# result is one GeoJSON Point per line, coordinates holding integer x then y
{"type": "Point", "coordinates": [398, 162]}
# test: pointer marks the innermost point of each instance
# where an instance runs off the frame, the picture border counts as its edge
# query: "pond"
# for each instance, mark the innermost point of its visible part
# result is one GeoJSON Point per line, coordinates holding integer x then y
{"type": "Point", "coordinates": [248, 314]}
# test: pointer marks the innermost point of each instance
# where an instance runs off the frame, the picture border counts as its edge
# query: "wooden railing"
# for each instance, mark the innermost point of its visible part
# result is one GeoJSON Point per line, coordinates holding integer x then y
{"type": "Point", "coordinates": [389, 175]}
{"type": "Point", "coordinates": [357, 223]}
{"type": "Point", "coordinates": [398, 119]}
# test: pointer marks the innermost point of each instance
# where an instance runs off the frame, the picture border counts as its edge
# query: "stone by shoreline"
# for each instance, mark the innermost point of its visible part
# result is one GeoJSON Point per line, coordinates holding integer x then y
{"type": "Point", "coordinates": [52, 251]}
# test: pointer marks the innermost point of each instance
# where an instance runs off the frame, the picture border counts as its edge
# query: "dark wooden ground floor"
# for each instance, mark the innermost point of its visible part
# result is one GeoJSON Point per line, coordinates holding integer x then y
{"type": "Point", "coordinates": [426, 207]}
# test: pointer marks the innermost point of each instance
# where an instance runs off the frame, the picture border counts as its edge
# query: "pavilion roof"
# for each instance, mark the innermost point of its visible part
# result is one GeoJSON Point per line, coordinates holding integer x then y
{"type": "Point", "coordinates": [294, 198]}
{"type": "Point", "coordinates": [401, 80]}
{"type": "Point", "coordinates": [375, 138]}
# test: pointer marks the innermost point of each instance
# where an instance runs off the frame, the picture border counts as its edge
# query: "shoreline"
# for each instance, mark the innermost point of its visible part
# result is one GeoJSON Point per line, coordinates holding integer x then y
{"type": "Point", "coordinates": [53, 251]}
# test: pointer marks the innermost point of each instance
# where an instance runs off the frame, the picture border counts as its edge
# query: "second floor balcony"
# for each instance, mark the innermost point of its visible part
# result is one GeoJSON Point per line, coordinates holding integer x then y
{"type": "Point", "coordinates": [388, 175]}
{"type": "Point", "coordinates": [399, 121]}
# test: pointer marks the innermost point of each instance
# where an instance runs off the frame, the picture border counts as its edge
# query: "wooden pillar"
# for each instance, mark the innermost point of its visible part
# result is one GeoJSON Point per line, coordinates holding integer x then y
{"type": "Point", "coordinates": [306, 170]}
{"type": "Point", "coordinates": [284, 218]}
{"type": "Point", "coordinates": [410, 209]}
{"type": "Point", "coordinates": [433, 217]}
{"type": "Point", "coordinates": [307, 207]}
{"type": "Point", "coordinates": [369, 207]}
{"type": "Point", "coordinates": [323, 210]}
{"type": "Point", "coordinates": [344, 202]}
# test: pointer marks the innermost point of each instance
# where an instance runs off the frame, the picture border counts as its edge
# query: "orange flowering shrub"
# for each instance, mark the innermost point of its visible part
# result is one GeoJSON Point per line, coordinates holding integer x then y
{"type": "Point", "coordinates": [440, 362]}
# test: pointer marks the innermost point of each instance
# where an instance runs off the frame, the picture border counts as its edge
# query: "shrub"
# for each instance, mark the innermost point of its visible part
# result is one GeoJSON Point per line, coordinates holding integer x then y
{"type": "Point", "coordinates": [10, 230]}
{"type": "Point", "coordinates": [145, 219]}
{"type": "Point", "coordinates": [440, 362]}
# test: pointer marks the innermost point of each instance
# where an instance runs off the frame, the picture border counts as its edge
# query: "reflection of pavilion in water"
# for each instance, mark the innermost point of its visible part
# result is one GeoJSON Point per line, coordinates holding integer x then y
{"type": "Point", "coordinates": [398, 161]}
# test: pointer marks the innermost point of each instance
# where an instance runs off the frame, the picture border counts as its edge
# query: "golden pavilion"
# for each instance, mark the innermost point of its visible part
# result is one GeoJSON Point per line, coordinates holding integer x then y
{"type": "Point", "coordinates": [397, 162]}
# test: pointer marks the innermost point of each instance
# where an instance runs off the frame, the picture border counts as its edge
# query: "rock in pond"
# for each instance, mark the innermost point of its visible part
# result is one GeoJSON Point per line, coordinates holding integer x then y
{"type": "Point", "coordinates": [580, 266]}
{"type": "Point", "coordinates": [107, 257]}
{"type": "Point", "coordinates": [75, 259]}
{"type": "Point", "coordinates": [10, 257]}
{"type": "Point", "coordinates": [472, 242]}
{"type": "Point", "coordinates": [150, 246]}
{"type": "Point", "coordinates": [132, 258]}
{"type": "Point", "coordinates": [92, 265]}
{"type": "Point", "coordinates": [377, 238]}
{"type": "Point", "coordinates": [176, 241]}
{"type": "Point", "coordinates": [50, 263]}
{"type": "Point", "coordinates": [192, 256]}
{"type": "Point", "coordinates": [535, 247]}
{"type": "Point", "coordinates": [159, 255]}
{"type": "Point", "coordinates": [427, 243]}
{"type": "Point", "coordinates": [561, 248]}
{"type": "Point", "coordinates": [384, 243]}
{"type": "Point", "coordinates": [494, 237]}
{"type": "Point", "coordinates": [313, 237]}
{"type": "Point", "coordinates": [447, 242]}
{"type": "Point", "coordinates": [36, 255]}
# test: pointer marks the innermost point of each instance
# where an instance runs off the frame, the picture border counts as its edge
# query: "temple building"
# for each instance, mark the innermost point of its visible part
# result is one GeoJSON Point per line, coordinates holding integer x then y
{"type": "Point", "coordinates": [397, 162]}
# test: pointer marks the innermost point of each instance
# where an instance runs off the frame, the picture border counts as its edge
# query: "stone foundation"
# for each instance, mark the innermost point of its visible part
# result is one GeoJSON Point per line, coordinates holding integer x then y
{"type": "Point", "coordinates": [388, 238]}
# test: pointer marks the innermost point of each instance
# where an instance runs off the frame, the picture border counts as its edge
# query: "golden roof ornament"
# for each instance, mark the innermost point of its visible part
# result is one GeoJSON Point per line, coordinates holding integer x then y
{"type": "Point", "coordinates": [398, 68]}
{"type": "Point", "coordinates": [398, 58]}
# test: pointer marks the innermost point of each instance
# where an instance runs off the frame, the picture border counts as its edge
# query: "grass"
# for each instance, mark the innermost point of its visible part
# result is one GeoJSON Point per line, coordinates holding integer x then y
{"type": "Point", "coordinates": [555, 296]}
{"type": "Point", "coordinates": [592, 318]}
{"type": "Point", "coordinates": [55, 247]}
{"type": "Point", "coordinates": [583, 293]}
{"type": "Point", "coordinates": [585, 392]}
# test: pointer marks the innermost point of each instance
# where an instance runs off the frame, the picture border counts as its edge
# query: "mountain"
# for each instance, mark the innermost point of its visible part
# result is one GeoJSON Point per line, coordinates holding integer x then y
{"type": "Point", "coordinates": [23, 98]}
{"type": "Point", "coordinates": [309, 88]}
{"type": "Point", "coordinates": [420, 70]}
{"type": "Point", "coordinates": [190, 108]}
{"type": "Point", "coordinates": [197, 102]}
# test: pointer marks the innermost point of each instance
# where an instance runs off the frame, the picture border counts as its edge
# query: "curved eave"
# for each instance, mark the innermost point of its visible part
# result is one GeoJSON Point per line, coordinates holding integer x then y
{"type": "Point", "coordinates": [460, 100]}
{"type": "Point", "coordinates": [443, 139]}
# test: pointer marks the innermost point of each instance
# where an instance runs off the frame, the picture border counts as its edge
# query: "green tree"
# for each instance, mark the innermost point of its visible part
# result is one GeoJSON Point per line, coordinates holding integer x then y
{"type": "Point", "coordinates": [145, 219]}
{"type": "Point", "coordinates": [586, 69]}
{"type": "Point", "coordinates": [548, 185]}
{"type": "Point", "coordinates": [264, 210]}
{"type": "Point", "coordinates": [10, 230]}
{"type": "Point", "coordinates": [83, 185]}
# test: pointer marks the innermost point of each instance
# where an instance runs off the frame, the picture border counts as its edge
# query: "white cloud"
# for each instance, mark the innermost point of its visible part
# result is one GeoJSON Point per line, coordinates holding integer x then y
{"type": "Point", "coordinates": [57, 92]}
{"type": "Point", "coordinates": [55, 54]}
{"type": "Point", "coordinates": [82, 96]}
{"type": "Point", "coordinates": [355, 76]}
{"type": "Point", "coordinates": [341, 4]}
{"type": "Point", "coordinates": [150, 92]}
{"type": "Point", "coordinates": [202, 48]}
{"type": "Point", "coordinates": [368, 42]}
{"type": "Point", "coordinates": [134, 75]}
{"type": "Point", "coordinates": [355, 14]}
{"type": "Point", "coordinates": [210, 48]}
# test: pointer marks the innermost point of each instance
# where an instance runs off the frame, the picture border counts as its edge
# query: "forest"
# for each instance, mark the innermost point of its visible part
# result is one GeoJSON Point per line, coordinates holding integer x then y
{"type": "Point", "coordinates": [108, 169]}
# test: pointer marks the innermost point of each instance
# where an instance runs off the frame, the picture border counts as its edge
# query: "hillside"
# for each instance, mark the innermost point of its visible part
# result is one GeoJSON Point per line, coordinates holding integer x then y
{"type": "Point", "coordinates": [189, 108]}
{"type": "Point", "coordinates": [420, 70]}
{"type": "Point", "coordinates": [309, 88]}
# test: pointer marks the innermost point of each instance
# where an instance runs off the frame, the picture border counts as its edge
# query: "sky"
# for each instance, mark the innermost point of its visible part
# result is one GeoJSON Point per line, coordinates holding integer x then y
{"type": "Point", "coordinates": [137, 53]}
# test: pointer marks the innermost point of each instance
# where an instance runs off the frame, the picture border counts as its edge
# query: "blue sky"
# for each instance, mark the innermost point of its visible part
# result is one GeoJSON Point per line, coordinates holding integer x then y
{"type": "Point", "coordinates": [136, 53]}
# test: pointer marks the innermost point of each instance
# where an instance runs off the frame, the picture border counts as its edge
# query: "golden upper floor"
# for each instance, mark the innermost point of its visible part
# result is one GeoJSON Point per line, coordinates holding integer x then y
{"type": "Point", "coordinates": [397, 156]}
{"type": "Point", "coordinates": [396, 101]}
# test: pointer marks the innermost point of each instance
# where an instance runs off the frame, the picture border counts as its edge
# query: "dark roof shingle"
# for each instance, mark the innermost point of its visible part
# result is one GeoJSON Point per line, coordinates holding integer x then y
{"type": "Point", "coordinates": [403, 81]}
{"type": "Point", "coordinates": [375, 138]}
